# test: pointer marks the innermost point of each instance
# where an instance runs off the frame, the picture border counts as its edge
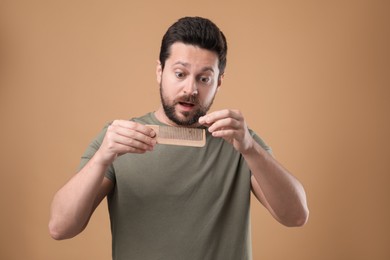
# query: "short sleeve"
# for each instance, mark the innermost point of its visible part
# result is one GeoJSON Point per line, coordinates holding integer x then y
{"type": "Point", "coordinates": [260, 141]}
{"type": "Point", "coordinates": [91, 150]}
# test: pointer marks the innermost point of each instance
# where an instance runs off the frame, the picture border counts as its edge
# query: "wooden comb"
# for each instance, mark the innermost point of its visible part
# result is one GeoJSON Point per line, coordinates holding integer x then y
{"type": "Point", "coordinates": [179, 135]}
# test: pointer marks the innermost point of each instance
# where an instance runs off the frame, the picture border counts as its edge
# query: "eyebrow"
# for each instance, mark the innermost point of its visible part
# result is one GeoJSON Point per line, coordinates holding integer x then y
{"type": "Point", "coordinates": [186, 64]}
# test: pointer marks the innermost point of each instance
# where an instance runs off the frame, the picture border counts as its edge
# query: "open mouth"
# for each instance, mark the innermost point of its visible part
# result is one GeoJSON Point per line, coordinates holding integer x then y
{"type": "Point", "coordinates": [186, 104]}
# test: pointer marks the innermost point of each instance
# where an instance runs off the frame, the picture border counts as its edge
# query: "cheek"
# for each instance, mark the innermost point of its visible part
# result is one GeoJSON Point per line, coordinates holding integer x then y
{"type": "Point", "coordinates": [167, 87]}
{"type": "Point", "coordinates": [171, 85]}
{"type": "Point", "coordinates": [208, 95]}
{"type": "Point", "coordinates": [164, 83]}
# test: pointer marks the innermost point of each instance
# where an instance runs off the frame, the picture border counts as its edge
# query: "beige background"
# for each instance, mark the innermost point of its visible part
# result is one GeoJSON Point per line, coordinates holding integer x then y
{"type": "Point", "coordinates": [311, 77]}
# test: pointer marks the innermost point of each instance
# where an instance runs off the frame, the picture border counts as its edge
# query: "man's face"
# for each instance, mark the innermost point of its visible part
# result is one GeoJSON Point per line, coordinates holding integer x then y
{"type": "Point", "coordinates": [188, 83]}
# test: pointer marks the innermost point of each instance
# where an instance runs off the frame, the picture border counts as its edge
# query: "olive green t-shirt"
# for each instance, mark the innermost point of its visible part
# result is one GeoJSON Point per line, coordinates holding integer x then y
{"type": "Point", "coordinates": [179, 203]}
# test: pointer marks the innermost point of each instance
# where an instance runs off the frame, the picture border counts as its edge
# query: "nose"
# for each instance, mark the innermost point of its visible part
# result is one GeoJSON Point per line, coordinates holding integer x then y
{"type": "Point", "coordinates": [190, 87]}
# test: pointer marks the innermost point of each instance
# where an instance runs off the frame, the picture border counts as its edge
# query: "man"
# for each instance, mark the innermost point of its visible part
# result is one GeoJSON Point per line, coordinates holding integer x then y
{"type": "Point", "coordinates": [177, 202]}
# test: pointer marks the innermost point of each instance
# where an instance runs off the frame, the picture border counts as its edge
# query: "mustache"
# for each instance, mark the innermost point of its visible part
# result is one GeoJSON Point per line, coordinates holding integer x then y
{"type": "Point", "coordinates": [188, 99]}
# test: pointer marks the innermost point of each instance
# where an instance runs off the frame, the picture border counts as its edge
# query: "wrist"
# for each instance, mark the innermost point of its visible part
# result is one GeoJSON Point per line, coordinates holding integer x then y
{"type": "Point", "coordinates": [254, 150]}
{"type": "Point", "coordinates": [100, 159]}
{"type": "Point", "coordinates": [249, 147]}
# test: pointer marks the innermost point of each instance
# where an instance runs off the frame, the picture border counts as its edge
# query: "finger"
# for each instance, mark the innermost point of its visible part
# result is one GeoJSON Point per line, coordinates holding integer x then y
{"type": "Point", "coordinates": [225, 133]}
{"type": "Point", "coordinates": [123, 149]}
{"type": "Point", "coordinates": [225, 123]}
{"type": "Point", "coordinates": [119, 144]}
{"type": "Point", "coordinates": [220, 114]}
{"type": "Point", "coordinates": [133, 134]}
{"type": "Point", "coordinates": [133, 130]}
{"type": "Point", "coordinates": [118, 136]}
{"type": "Point", "coordinates": [134, 126]}
{"type": "Point", "coordinates": [125, 144]}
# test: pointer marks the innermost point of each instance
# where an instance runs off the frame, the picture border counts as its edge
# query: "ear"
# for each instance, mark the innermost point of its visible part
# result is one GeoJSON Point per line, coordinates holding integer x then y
{"type": "Point", "coordinates": [158, 72]}
{"type": "Point", "coordinates": [220, 79]}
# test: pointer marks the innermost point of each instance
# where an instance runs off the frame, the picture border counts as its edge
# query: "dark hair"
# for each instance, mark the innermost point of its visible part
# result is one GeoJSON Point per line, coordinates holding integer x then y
{"type": "Point", "coordinates": [196, 31]}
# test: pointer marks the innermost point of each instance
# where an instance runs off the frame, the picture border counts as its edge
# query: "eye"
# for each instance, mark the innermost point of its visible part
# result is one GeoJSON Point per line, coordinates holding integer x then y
{"type": "Point", "coordinates": [179, 74]}
{"type": "Point", "coordinates": [205, 80]}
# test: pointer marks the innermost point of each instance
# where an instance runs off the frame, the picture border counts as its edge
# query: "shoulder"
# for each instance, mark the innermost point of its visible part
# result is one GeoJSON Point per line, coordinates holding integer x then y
{"type": "Point", "coordinates": [148, 118]}
{"type": "Point", "coordinates": [260, 141]}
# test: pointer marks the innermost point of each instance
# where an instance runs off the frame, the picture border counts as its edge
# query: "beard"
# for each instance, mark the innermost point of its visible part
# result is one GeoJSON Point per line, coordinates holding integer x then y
{"type": "Point", "coordinates": [189, 118]}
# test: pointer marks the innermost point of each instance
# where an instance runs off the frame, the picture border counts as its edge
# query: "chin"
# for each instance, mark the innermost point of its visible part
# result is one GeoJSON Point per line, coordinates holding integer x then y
{"type": "Point", "coordinates": [182, 120]}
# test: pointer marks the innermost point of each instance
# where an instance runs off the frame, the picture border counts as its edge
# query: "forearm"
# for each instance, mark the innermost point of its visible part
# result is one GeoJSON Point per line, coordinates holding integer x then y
{"type": "Point", "coordinates": [285, 196]}
{"type": "Point", "coordinates": [73, 204]}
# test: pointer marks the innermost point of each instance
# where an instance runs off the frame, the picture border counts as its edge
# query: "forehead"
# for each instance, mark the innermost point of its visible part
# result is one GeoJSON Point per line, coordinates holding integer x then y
{"type": "Point", "coordinates": [192, 56]}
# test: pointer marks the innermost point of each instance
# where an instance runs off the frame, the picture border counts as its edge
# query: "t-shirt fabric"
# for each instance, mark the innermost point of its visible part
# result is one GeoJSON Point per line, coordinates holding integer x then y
{"type": "Point", "coordinates": [179, 202]}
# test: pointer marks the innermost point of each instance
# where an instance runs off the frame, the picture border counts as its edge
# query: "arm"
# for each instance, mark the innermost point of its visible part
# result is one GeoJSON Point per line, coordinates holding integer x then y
{"type": "Point", "coordinates": [75, 202]}
{"type": "Point", "coordinates": [276, 188]}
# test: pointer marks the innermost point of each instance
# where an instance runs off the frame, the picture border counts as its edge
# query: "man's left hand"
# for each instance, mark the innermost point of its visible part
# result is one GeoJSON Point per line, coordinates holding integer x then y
{"type": "Point", "coordinates": [230, 125]}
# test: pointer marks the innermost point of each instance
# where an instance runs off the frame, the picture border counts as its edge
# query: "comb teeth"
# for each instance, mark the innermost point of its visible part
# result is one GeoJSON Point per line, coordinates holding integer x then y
{"type": "Point", "coordinates": [180, 135]}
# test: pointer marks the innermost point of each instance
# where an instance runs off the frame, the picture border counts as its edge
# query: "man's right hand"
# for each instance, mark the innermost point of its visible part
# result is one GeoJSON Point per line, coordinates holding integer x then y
{"type": "Point", "coordinates": [125, 136]}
